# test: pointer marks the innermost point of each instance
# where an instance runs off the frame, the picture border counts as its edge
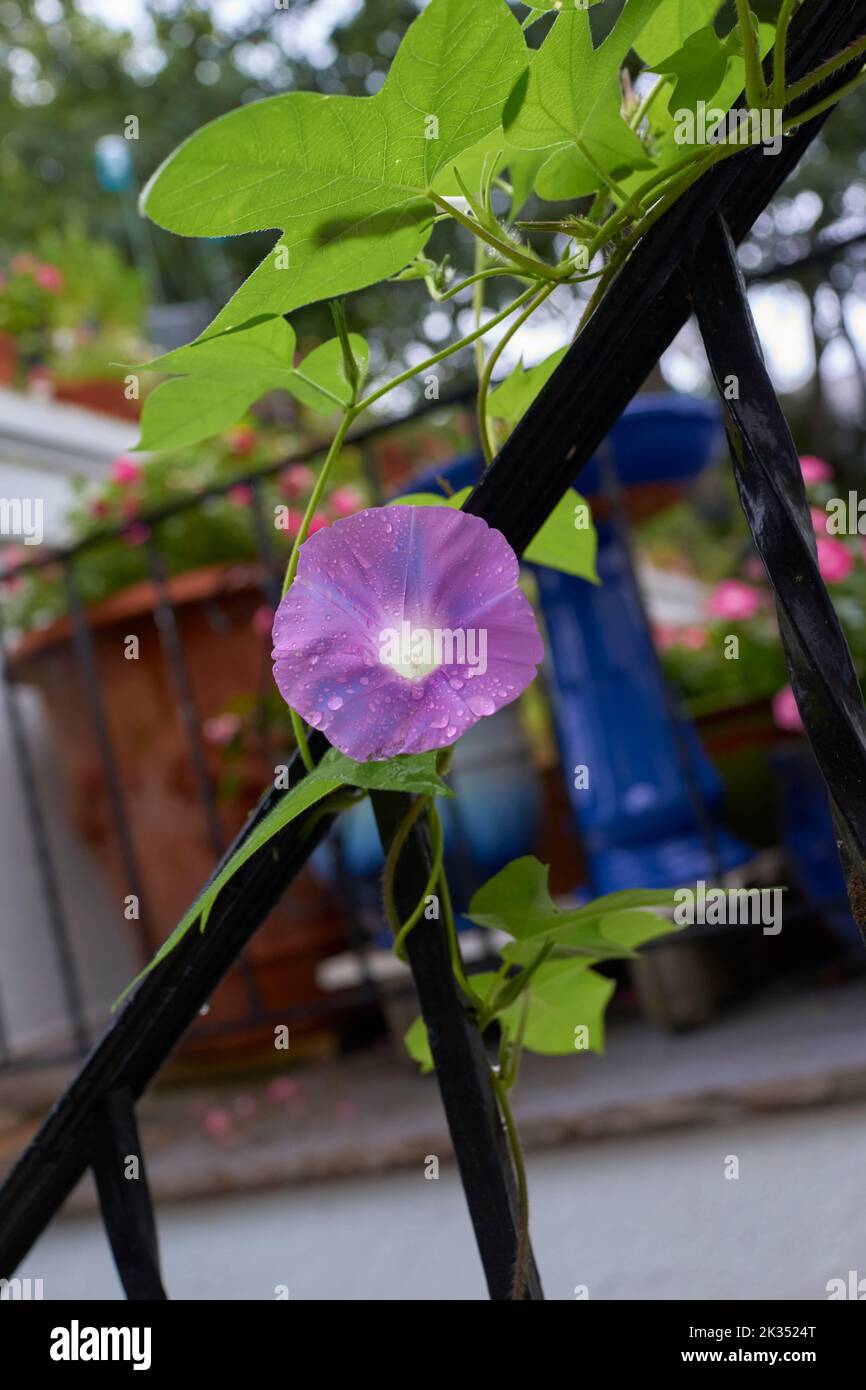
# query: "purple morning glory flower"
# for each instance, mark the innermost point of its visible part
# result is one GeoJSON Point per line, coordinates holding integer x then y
{"type": "Point", "coordinates": [404, 626]}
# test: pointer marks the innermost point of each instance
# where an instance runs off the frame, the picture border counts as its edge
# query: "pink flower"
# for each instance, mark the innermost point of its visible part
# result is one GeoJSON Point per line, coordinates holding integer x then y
{"type": "Point", "coordinates": [12, 556]}
{"type": "Point", "coordinates": [666, 635]}
{"type": "Point", "coordinates": [125, 471]}
{"type": "Point", "coordinates": [263, 620]}
{"type": "Point", "coordinates": [317, 523]}
{"type": "Point", "coordinates": [297, 480]}
{"type": "Point", "coordinates": [785, 712]}
{"type": "Point", "coordinates": [343, 501]}
{"type": "Point", "coordinates": [49, 278]}
{"type": "Point", "coordinates": [835, 560]}
{"type": "Point", "coordinates": [819, 521]}
{"type": "Point", "coordinates": [815, 470]}
{"type": "Point", "coordinates": [404, 626]}
{"type": "Point", "coordinates": [754, 569]}
{"type": "Point", "coordinates": [241, 494]}
{"type": "Point", "coordinates": [733, 601]}
{"type": "Point", "coordinates": [137, 534]}
{"type": "Point", "coordinates": [283, 1088]}
{"type": "Point", "coordinates": [243, 440]}
{"type": "Point", "coordinates": [694, 639]}
{"type": "Point", "coordinates": [130, 508]}
{"type": "Point", "coordinates": [221, 729]}
{"type": "Point", "coordinates": [217, 1121]}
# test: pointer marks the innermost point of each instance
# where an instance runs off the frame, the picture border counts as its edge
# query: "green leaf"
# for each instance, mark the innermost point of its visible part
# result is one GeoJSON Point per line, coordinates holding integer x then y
{"type": "Point", "coordinates": [699, 68]}
{"type": "Point", "coordinates": [634, 928]}
{"type": "Point", "coordinates": [418, 1045]}
{"type": "Point", "coordinates": [571, 92]}
{"type": "Point", "coordinates": [517, 901]}
{"type": "Point", "coordinates": [431, 499]}
{"type": "Point", "coordinates": [218, 379]}
{"type": "Point", "coordinates": [344, 178]}
{"type": "Point", "coordinates": [408, 772]}
{"type": "Point", "coordinates": [320, 381]}
{"type": "Point", "coordinates": [221, 375]}
{"type": "Point", "coordinates": [672, 24]}
{"type": "Point", "coordinates": [512, 398]}
{"type": "Point", "coordinates": [564, 542]}
{"type": "Point", "coordinates": [562, 997]}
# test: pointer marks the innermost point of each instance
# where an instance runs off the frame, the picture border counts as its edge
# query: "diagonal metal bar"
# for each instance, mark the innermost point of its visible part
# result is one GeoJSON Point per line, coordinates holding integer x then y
{"type": "Point", "coordinates": [773, 497]}
{"type": "Point", "coordinates": [462, 1069]}
{"type": "Point", "coordinates": [124, 1197]}
{"type": "Point", "coordinates": [642, 311]}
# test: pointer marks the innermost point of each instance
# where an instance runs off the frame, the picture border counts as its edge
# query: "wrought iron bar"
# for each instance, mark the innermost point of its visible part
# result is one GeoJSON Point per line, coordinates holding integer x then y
{"type": "Point", "coordinates": [773, 497]}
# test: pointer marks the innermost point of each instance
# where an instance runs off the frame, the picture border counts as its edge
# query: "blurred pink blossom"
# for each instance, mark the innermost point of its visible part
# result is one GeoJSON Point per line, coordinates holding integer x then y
{"type": "Point", "coordinates": [343, 501]}
{"type": "Point", "coordinates": [819, 521]}
{"type": "Point", "coordinates": [694, 638]}
{"type": "Point", "coordinates": [242, 440]}
{"type": "Point", "coordinates": [217, 1121]}
{"type": "Point", "coordinates": [283, 1088]}
{"type": "Point", "coordinates": [297, 480]}
{"type": "Point", "coordinates": [666, 635]}
{"type": "Point", "coordinates": [835, 560]}
{"type": "Point", "coordinates": [221, 729]}
{"type": "Point", "coordinates": [125, 470]}
{"type": "Point", "coordinates": [733, 600]}
{"type": "Point", "coordinates": [815, 470]}
{"type": "Point", "coordinates": [263, 621]}
{"type": "Point", "coordinates": [49, 278]}
{"type": "Point", "coordinates": [785, 712]}
{"type": "Point", "coordinates": [136, 534]}
{"type": "Point", "coordinates": [318, 523]}
{"type": "Point", "coordinates": [241, 495]}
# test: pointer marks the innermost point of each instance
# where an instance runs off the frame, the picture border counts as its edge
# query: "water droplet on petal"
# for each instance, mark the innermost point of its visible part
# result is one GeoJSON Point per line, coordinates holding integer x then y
{"type": "Point", "coordinates": [335, 702]}
{"type": "Point", "coordinates": [481, 704]}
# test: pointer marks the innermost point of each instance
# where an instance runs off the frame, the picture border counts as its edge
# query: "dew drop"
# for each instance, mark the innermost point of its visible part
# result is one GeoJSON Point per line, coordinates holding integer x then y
{"type": "Point", "coordinates": [335, 702]}
{"type": "Point", "coordinates": [481, 704]}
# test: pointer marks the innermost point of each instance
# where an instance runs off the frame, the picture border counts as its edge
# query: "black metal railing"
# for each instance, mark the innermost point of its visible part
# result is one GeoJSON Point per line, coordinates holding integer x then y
{"type": "Point", "coordinates": [686, 260]}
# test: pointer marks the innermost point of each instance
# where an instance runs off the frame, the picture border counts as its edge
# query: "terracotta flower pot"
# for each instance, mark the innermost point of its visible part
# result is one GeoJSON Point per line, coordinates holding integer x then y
{"type": "Point", "coordinates": [225, 658]}
{"type": "Point", "coordinates": [105, 397]}
{"type": "Point", "coordinates": [8, 359]}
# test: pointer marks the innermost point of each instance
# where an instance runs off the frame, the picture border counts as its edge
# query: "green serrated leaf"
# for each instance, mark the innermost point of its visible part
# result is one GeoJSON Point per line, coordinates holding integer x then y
{"type": "Point", "coordinates": [571, 93]}
{"type": "Point", "coordinates": [344, 178]}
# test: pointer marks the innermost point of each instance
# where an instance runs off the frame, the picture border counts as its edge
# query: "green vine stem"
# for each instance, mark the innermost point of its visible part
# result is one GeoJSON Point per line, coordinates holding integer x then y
{"type": "Point", "coordinates": [780, 46]}
{"type": "Point", "coordinates": [519, 1281]}
{"type": "Point", "coordinates": [756, 91]}
{"type": "Point", "coordinates": [486, 375]}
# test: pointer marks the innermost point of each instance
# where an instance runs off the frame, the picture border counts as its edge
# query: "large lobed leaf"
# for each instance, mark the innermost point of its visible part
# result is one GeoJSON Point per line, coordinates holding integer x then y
{"type": "Point", "coordinates": [217, 378]}
{"type": "Point", "coordinates": [344, 178]}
